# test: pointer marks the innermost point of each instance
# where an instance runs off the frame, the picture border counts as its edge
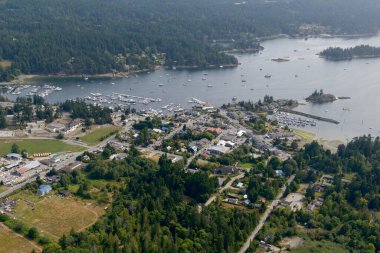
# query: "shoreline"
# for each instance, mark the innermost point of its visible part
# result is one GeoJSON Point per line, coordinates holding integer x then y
{"type": "Point", "coordinates": [24, 78]}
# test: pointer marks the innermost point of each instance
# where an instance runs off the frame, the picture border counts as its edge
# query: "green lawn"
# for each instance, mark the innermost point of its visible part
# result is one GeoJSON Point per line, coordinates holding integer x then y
{"type": "Point", "coordinates": [319, 247]}
{"type": "Point", "coordinates": [96, 135]}
{"type": "Point", "coordinates": [306, 136]}
{"type": "Point", "coordinates": [245, 166]}
{"type": "Point", "coordinates": [38, 146]}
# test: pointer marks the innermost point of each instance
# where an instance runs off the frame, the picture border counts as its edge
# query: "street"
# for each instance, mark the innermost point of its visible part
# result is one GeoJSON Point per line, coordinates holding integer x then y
{"type": "Point", "coordinates": [264, 217]}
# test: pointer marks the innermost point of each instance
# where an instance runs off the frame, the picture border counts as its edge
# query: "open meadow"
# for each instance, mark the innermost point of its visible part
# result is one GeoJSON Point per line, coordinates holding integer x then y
{"type": "Point", "coordinates": [97, 134]}
{"type": "Point", "coordinates": [53, 215]}
{"type": "Point", "coordinates": [15, 243]}
{"type": "Point", "coordinates": [34, 146]}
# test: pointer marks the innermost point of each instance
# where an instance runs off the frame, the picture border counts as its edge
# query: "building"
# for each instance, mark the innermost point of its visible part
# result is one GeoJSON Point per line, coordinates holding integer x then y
{"type": "Point", "coordinates": [225, 170]}
{"type": "Point", "coordinates": [218, 150]}
{"type": "Point", "coordinates": [44, 189]}
{"type": "Point", "coordinates": [215, 131]}
{"type": "Point", "coordinates": [55, 127]}
{"type": "Point", "coordinates": [72, 166]}
{"type": "Point", "coordinates": [240, 133]}
{"type": "Point", "coordinates": [228, 144]}
{"type": "Point", "coordinates": [280, 173]}
{"type": "Point", "coordinates": [73, 125]}
{"type": "Point", "coordinates": [27, 167]}
{"type": "Point", "coordinates": [13, 157]}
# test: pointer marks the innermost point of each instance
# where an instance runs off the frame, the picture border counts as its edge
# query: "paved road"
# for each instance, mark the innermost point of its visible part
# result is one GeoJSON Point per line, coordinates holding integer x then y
{"type": "Point", "coordinates": [264, 217]}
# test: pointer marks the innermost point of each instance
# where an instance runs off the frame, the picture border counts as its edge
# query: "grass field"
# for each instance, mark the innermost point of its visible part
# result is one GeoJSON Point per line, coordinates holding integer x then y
{"type": "Point", "coordinates": [3, 188]}
{"type": "Point", "coordinates": [5, 63]}
{"type": "Point", "coordinates": [306, 136]}
{"type": "Point", "coordinates": [54, 216]}
{"type": "Point", "coordinates": [11, 242]}
{"type": "Point", "coordinates": [319, 247]}
{"type": "Point", "coordinates": [95, 136]}
{"type": "Point", "coordinates": [245, 166]}
{"type": "Point", "coordinates": [38, 146]}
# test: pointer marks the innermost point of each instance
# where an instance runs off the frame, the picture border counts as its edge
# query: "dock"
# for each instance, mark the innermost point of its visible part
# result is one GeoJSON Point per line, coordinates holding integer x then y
{"type": "Point", "coordinates": [309, 115]}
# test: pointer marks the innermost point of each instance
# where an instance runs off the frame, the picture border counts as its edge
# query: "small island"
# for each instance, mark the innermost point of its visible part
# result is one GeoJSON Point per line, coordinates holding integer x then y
{"type": "Point", "coordinates": [342, 54]}
{"type": "Point", "coordinates": [318, 97]}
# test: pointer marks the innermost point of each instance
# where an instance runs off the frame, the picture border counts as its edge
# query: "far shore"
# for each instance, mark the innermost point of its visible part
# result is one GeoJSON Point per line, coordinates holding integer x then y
{"type": "Point", "coordinates": [23, 78]}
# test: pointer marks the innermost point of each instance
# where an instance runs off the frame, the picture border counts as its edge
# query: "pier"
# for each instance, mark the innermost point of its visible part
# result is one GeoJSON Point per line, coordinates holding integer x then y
{"type": "Point", "coordinates": [309, 115]}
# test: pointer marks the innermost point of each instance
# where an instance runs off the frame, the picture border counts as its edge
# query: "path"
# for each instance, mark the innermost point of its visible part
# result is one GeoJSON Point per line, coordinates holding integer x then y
{"type": "Point", "coordinates": [35, 245]}
{"type": "Point", "coordinates": [264, 217]}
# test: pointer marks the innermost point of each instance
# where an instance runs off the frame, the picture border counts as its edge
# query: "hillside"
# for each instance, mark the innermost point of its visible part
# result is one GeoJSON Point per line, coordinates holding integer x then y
{"type": "Point", "coordinates": [97, 36]}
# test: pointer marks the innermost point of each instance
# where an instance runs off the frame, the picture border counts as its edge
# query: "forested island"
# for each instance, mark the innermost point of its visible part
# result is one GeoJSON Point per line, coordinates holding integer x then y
{"type": "Point", "coordinates": [341, 54]}
{"type": "Point", "coordinates": [319, 97]}
{"type": "Point", "coordinates": [96, 37]}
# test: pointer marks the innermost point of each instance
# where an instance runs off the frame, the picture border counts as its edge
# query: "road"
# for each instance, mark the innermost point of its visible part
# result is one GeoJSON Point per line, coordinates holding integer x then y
{"type": "Point", "coordinates": [264, 217]}
{"type": "Point", "coordinates": [228, 185]}
{"type": "Point", "coordinates": [70, 159]}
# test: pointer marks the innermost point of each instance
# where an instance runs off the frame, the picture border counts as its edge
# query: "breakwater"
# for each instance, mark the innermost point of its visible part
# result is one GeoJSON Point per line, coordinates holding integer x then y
{"type": "Point", "coordinates": [309, 115]}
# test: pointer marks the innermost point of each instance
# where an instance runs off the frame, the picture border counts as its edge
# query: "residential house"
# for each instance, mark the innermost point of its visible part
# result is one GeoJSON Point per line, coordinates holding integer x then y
{"type": "Point", "coordinates": [73, 125]}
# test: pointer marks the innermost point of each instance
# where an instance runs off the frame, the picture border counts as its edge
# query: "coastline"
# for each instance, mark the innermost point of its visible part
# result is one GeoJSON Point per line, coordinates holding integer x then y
{"type": "Point", "coordinates": [24, 78]}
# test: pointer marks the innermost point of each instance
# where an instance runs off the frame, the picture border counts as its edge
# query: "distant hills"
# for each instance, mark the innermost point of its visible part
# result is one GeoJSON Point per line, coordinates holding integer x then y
{"type": "Point", "coordinates": [97, 36]}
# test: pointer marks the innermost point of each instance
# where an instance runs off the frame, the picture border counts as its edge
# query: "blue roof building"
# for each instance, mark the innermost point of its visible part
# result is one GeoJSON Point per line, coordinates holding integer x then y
{"type": "Point", "coordinates": [44, 189]}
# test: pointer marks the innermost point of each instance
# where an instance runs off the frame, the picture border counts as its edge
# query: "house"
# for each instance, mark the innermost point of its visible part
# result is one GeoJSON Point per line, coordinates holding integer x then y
{"type": "Point", "coordinates": [193, 149]}
{"type": "Point", "coordinates": [246, 202]}
{"type": "Point", "coordinates": [72, 166]}
{"type": "Point", "coordinates": [12, 165]}
{"type": "Point", "coordinates": [233, 201]}
{"type": "Point", "coordinates": [13, 157]}
{"type": "Point", "coordinates": [228, 144]}
{"type": "Point", "coordinates": [156, 130]}
{"type": "Point", "coordinates": [215, 131]}
{"type": "Point", "coordinates": [73, 125]}
{"type": "Point", "coordinates": [229, 137]}
{"type": "Point", "coordinates": [55, 127]}
{"type": "Point", "coordinates": [239, 185]}
{"type": "Point", "coordinates": [218, 150]}
{"type": "Point", "coordinates": [240, 133]}
{"type": "Point", "coordinates": [279, 173]}
{"type": "Point", "coordinates": [225, 170]}
{"type": "Point", "coordinates": [44, 189]}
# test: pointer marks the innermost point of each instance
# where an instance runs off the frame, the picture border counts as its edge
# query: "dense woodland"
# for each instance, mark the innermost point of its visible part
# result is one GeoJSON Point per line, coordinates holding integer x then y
{"type": "Point", "coordinates": [340, 54]}
{"type": "Point", "coordinates": [96, 36]}
{"type": "Point", "coordinates": [152, 211]}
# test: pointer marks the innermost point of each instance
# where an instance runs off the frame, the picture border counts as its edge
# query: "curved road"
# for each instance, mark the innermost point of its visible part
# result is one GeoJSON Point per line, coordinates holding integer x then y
{"type": "Point", "coordinates": [264, 217]}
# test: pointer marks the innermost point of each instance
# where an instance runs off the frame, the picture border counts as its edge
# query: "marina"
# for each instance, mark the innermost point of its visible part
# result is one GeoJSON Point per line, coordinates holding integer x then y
{"type": "Point", "coordinates": [296, 79]}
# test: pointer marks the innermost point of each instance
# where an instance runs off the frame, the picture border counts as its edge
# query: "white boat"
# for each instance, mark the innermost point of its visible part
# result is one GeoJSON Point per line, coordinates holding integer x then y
{"type": "Point", "coordinates": [86, 78]}
{"type": "Point", "coordinates": [268, 76]}
{"type": "Point", "coordinates": [209, 85]}
{"type": "Point", "coordinates": [204, 78]}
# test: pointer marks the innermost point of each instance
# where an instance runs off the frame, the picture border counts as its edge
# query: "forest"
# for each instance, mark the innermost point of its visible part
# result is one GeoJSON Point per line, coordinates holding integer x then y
{"type": "Point", "coordinates": [96, 36]}
{"type": "Point", "coordinates": [341, 54]}
{"type": "Point", "coordinates": [154, 210]}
